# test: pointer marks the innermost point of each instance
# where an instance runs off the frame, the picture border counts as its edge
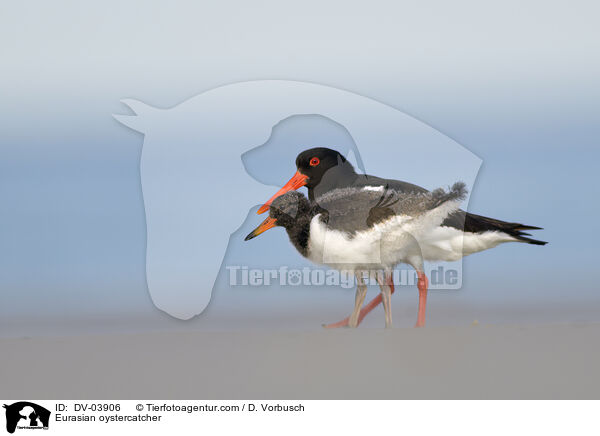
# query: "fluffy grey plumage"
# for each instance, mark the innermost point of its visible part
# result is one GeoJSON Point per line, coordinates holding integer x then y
{"type": "Point", "coordinates": [355, 209]}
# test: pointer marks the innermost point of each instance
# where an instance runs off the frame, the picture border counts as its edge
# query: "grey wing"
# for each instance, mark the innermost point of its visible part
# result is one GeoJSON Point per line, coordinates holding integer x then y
{"type": "Point", "coordinates": [353, 210]}
{"type": "Point", "coordinates": [347, 209]}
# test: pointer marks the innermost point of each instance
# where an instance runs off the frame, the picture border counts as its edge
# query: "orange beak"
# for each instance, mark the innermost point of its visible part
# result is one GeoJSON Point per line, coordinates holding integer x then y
{"type": "Point", "coordinates": [263, 227]}
{"type": "Point", "coordinates": [298, 181]}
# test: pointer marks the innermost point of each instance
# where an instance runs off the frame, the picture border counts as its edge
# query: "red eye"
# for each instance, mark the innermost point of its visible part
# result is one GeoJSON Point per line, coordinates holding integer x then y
{"type": "Point", "coordinates": [315, 161]}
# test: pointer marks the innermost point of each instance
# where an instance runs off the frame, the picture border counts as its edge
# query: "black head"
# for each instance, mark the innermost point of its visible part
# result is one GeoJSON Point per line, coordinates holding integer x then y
{"type": "Point", "coordinates": [314, 163]}
{"type": "Point", "coordinates": [284, 211]}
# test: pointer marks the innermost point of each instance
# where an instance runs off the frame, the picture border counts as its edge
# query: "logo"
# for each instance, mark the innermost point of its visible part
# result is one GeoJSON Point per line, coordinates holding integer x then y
{"type": "Point", "coordinates": [26, 415]}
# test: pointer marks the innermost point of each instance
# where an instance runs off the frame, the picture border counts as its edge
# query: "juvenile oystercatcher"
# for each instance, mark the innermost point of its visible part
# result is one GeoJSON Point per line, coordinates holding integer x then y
{"type": "Point", "coordinates": [365, 232]}
{"type": "Point", "coordinates": [460, 233]}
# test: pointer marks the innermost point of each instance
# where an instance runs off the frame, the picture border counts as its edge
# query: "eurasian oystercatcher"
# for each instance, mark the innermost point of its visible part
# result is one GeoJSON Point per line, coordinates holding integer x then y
{"type": "Point", "coordinates": [365, 232]}
{"type": "Point", "coordinates": [460, 233]}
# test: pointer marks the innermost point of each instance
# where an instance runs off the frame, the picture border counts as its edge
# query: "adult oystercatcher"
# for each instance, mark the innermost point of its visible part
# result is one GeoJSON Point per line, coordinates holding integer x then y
{"type": "Point", "coordinates": [365, 232]}
{"type": "Point", "coordinates": [459, 234]}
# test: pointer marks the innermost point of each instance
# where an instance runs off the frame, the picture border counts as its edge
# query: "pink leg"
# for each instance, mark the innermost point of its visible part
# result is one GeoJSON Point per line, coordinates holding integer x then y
{"type": "Point", "coordinates": [365, 310]}
{"type": "Point", "coordinates": [422, 284]}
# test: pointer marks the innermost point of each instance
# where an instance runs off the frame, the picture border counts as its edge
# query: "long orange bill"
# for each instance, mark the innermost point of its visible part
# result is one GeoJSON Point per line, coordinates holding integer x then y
{"type": "Point", "coordinates": [298, 181]}
{"type": "Point", "coordinates": [263, 227]}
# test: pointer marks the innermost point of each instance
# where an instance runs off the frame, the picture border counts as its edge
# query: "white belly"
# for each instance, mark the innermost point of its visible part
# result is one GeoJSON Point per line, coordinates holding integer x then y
{"type": "Point", "coordinates": [382, 246]}
{"type": "Point", "coordinates": [399, 240]}
{"type": "Point", "coordinates": [450, 244]}
{"type": "Point", "coordinates": [373, 249]}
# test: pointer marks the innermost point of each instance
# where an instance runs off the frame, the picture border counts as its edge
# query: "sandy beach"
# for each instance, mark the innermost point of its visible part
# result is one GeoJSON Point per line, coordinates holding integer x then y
{"type": "Point", "coordinates": [477, 362]}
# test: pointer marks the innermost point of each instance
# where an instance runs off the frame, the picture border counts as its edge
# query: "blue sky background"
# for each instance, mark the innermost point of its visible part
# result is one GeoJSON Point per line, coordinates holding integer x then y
{"type": "Point", "coordinates": [516, 83]}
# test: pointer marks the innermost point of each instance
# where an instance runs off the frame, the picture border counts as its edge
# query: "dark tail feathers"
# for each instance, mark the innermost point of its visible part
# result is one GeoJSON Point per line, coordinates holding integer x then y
{"type": "Point", "coordinates": [479, 224]}
{"type": "Point", "coordinates": [513, 229]}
